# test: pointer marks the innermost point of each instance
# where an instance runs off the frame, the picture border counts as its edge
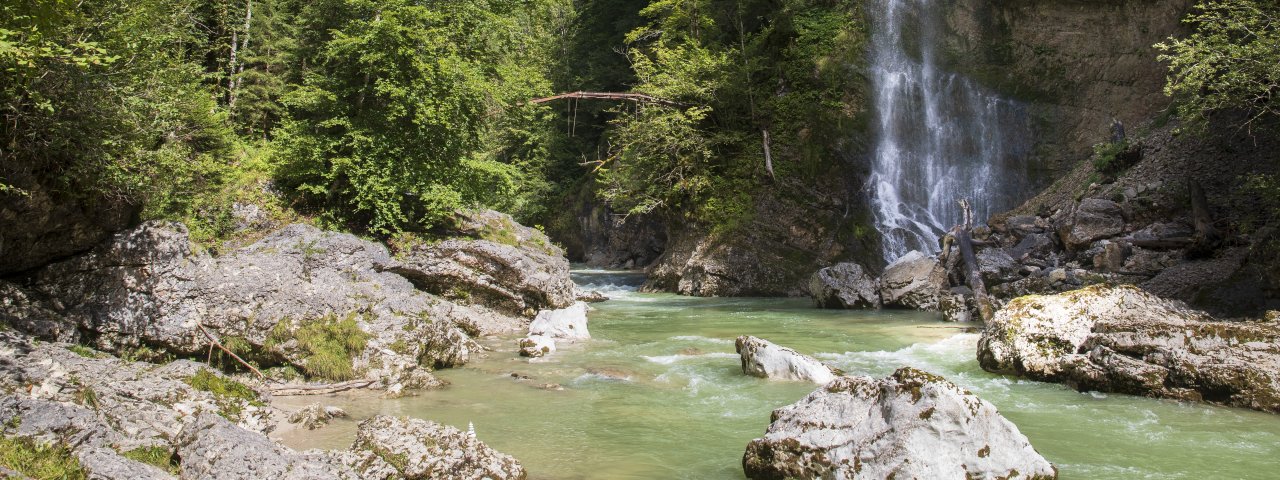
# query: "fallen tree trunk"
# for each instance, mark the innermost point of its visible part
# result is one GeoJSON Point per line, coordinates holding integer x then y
{"type": "Point", "coordinates": [631, 97]}
{"type": "Point", "coordinates": [322, 389]}
{"type": "Point", "coordinates": [973, 276]}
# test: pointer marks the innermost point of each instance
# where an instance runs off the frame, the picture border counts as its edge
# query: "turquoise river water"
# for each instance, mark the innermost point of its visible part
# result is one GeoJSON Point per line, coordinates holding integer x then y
{"type": "Point", "coordinates": [658, 393]}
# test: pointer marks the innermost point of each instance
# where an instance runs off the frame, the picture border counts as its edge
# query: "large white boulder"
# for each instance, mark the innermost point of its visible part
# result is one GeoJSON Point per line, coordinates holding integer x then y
{"type": "Point", "coordinates": [568, 323]}
{"type": "Point", "coordinates": [761, 358]}
{"type": "Point", "coordinates": [909, 425]}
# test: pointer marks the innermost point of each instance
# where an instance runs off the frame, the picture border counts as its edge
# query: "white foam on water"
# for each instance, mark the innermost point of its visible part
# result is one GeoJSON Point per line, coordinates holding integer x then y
{"type": "Point", "coordinates": [670, 359]}
{"type": "Point", "coordinates": [596, 377]}
{"type": "Point", "coordinates": [699, 338]}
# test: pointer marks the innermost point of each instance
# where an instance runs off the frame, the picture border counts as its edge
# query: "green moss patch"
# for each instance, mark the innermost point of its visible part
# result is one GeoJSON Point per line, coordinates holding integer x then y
{"type": "Point", "coordinates": [35, 460]}
{"type": "Point", "coordinates": [157, 456]}
{"type": "Point", "coordinates": [230, 395]}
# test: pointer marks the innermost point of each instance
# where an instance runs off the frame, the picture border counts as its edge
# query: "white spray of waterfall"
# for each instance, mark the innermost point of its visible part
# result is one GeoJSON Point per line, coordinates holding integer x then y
{"type": "Point", "coordinates": [940, 136]}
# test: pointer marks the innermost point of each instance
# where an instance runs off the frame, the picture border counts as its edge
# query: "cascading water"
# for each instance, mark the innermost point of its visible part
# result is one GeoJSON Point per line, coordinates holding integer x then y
{"type": "Point", "coordinates": [941, 137]}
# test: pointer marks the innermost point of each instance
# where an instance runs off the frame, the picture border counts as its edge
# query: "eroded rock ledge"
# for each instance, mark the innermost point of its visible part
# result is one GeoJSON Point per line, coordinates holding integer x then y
{"type": "Point", "coordinates": [332, 305]}
{"type": "Point", "coordinates": [1122, 339]}
{"type": "Point", "coordinates": [909, 425]}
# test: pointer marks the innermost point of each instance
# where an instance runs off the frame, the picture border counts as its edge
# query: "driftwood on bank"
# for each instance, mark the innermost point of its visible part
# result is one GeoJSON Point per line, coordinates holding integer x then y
{"type": "Point", "coordinates": [214, 341]}
{"type": "Point", "coordinates": [964, 241]}
{"type": "Point", "coordinates": [320, 389]}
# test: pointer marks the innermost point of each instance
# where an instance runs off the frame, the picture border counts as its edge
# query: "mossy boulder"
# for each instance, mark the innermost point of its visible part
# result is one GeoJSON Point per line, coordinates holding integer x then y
{"type": "Point", "coordinates": [1122, 339]}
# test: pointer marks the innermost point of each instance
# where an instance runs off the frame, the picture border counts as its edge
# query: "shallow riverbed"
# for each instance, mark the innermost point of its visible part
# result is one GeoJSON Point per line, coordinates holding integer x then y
{"type": "Point", "coordinates": [658, 393]}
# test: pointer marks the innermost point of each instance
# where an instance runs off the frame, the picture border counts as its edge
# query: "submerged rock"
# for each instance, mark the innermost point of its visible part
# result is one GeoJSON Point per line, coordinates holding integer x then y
{"type": "Point", "coordinates": [844, 285]}
{"type": "Point", "coordinates": [914, 281]}
{"type": "Point", "coordinates": [423, 449]}
{"type": "Point", "coordinates": [1122, 339]}
{"type": "Point", "coordinates": [909, 425]}
{"type": "Point", "coordinates": [536, 346]}
{"type": "Point", "coordinates": [315, 415]}
{"type": "Point", "coordinates": [761, 358]}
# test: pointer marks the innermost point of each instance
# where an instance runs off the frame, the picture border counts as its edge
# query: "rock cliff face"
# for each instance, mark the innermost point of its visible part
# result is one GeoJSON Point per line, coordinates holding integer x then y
{"type": "Point", "coordinates": [910, 425]}
{"type": "Point", "coordinates": [43, 225]}
{"type": "Point", "coordinates": [774, 254]}
{"type": "Point", "coordinates": [1125, 340]}
{"type": "Point", "coordinates": [1076, 64]}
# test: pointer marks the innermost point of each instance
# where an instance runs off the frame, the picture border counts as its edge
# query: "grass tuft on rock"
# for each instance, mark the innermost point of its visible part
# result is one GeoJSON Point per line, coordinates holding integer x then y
{"type": "Point", "coordinates": [158, 456]}
{"type": "Point", "coordinates": [329, 345]}
{"type": "Point", "coordinates": [40, 461]}
{"type": "Point", "coordinates": [229, 394]}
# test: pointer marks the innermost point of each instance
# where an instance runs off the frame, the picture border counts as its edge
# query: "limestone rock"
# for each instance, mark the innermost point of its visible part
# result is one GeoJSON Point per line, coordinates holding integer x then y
{"type": "Point", "coordinates": [536, 346]}
{"type": "Point", "coordinates": [210, 447]}
{"type": "Point", "coordinates": [28, 315]}
{"type": "Point", "coordinates": [1122, 339]}
{"type": "Point", "coordinates": [48, 223]}
{"type": "Point", "coordinates": [445, 346]}
{"type": "Point", "coordinates": [844, 285]}
{"type": "Point", "coordinates": [424, 449]}
{"type": "Point", "coordinates": [909, 425]}
{"type": "Point", "coordinates": [145, 400]}
{"type": "Point", "coordinates": [510, 279]}
{"type": "Point", "coordinates": [101, 463]}
{"type": "Point", "coordinates": [761, 358]}
{"type": "Point", "coordinates": [567, 323]}
{"type": "Point", "coordinates": [591, 296]}
{"type": "Point", "coordinates": [914, 281]}
{"type": "Point", "coordinates": [146, 286]}
{"type": "Point", "coordinates": [996, 266]}
{"type": "Point", "coordinates": [1094, 219]}
{"type": "Point", "coordinates": [958, 307]}
{"type": "Point", "coordinates": [315, 415]}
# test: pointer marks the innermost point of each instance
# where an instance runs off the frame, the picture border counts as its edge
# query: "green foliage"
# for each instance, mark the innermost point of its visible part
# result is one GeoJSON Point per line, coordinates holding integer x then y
{"type": "Point", "coordinates": [330, 344]}
{"type": "Point", "coordinates": [99, 99]}
{"type": "Point", "coordinates": [230, 395]}
{"type": "Point", "coordinates": [1111, 158]}
{"type": "Point", "coordinates": [157, 456]}
{"type": "Point", "coordinates": [39, 461]}
{"type": "Point", "coordinates": [737, 69]}
{"type": "Point", "coordinates": [1230, 62]}
{"type": "Point", "coordinates": [84, 351]}
{"type": "Point", "coordinates": [385, 134]}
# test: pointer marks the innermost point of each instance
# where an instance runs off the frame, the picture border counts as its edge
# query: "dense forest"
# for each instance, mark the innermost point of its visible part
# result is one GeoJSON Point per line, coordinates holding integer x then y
{"type": "Point", "coordinates": [383, 117]}
{"type": "Point", "coordinates": [217, 214]}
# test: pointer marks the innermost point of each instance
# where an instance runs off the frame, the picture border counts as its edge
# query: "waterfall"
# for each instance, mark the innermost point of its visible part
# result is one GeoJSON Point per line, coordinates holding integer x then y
{"type": "Point", "coordinates": [939, 135]}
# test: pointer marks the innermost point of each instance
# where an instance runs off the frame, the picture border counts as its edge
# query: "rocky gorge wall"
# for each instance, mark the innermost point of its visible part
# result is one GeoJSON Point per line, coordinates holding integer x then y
{"type": "Point", "coordinates": [1075, 65]}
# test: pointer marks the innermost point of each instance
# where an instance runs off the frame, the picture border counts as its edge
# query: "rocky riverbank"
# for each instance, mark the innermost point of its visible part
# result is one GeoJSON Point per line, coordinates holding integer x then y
{"type": "Point", "coordinates": [302, 310]}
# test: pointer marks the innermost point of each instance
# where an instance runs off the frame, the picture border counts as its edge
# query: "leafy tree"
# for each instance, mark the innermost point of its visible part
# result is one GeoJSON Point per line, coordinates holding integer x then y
{"type": "Point", "coordinates": [1230, 62]}
{"type": "Point", "coordinates": [99, 98]}
{"type": "Point", "coordinates": [387, 131]}
{"type": "Point", "coordinates": [739, 68]}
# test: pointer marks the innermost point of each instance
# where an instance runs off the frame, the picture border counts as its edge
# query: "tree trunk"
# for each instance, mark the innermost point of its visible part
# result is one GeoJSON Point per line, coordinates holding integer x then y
{"type": "Point", "coordinates": [972, 275]}
{"type": "Point", "coordinates": [1207, 238]}
{"type": "Point", "coordinates": [237, 70]}
{"type": "Point", "coordinates": [768, 156]}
